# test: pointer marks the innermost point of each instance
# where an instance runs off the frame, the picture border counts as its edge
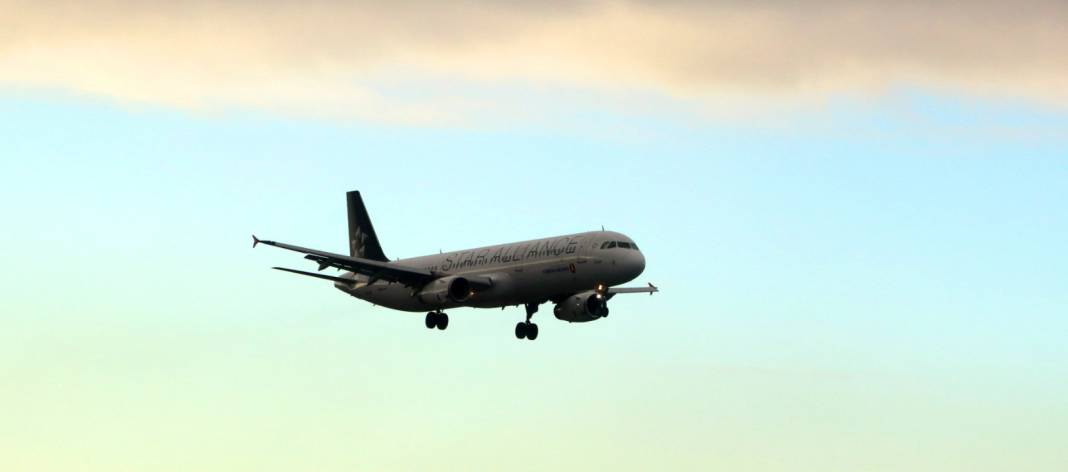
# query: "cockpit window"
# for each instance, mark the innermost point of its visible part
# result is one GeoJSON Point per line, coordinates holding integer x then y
{"type": "Point", "coordinates": [615, 244]}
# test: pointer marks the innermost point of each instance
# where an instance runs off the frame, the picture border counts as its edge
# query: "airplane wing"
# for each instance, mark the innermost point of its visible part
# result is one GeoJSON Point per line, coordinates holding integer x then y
{"type": "Point", "coordinates": [617, 290]}
{"type": "Point", "coordinates": [411, 276]}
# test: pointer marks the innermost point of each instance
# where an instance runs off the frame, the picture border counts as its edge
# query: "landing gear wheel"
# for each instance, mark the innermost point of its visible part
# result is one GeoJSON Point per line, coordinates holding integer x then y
{"type": "Point", "coordinates": [431, 320]}
{"type": "Point", "coordinates": [526, 329]}
{"type": "Point", "coordinates": [443, 321]}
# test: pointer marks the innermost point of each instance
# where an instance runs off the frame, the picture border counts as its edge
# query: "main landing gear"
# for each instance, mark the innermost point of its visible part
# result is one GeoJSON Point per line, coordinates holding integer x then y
{"type": "Point", "coordinates": [437, 319]}
{"type": "Point", "coordinates": [526, 329]}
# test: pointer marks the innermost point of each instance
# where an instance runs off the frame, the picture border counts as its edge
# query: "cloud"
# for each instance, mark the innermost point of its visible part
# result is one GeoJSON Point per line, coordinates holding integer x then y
{"type": "Point", "coordinates": [422, 61]}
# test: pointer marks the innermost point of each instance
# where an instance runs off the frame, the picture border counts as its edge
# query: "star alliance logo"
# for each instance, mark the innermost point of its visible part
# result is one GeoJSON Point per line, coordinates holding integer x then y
{"type": "Point", "coordinates": [357, 243]}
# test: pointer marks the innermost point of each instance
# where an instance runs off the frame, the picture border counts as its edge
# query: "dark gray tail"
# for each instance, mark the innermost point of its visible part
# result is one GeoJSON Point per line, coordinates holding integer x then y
{"type": "Point", "coordinates": [362, 239]}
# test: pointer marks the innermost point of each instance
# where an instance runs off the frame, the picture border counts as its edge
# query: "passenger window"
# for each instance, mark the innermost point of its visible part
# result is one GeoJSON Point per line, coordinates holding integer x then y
{"type": "Point", "coordinates": [624, 245]}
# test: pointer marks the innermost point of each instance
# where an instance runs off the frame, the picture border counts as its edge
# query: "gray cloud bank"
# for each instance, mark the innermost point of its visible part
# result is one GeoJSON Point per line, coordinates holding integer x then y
{"type": "Point", "coordinates": [347, 59]}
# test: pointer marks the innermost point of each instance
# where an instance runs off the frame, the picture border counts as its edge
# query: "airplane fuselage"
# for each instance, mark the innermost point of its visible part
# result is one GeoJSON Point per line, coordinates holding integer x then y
{"type": "Point", "coordinates": [524, 272]}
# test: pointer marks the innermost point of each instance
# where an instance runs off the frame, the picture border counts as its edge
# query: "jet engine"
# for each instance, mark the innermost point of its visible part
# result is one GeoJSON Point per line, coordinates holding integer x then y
{"type": "Point", "coordinates": [452, 288]}
{"type": "Point", "coordinates": [585, 306]}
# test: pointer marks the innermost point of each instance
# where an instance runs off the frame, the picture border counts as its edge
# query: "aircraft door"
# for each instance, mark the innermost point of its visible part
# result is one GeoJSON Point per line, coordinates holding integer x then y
{"type": "Point", "coordinates": [580, 260]}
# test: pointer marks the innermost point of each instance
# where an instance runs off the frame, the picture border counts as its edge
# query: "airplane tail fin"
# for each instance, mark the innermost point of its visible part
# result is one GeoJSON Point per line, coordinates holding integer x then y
{"type": "Point", "coordinates": [362, 239]}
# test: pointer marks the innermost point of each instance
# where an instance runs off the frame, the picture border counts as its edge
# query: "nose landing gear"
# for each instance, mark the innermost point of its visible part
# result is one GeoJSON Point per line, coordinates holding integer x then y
{"type": "Point", "coordinates": [437, 319]}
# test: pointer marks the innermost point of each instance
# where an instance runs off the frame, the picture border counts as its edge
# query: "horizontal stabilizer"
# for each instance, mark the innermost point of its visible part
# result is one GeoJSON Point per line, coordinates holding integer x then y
{"type": "Point", "coordinates": [318, 276]}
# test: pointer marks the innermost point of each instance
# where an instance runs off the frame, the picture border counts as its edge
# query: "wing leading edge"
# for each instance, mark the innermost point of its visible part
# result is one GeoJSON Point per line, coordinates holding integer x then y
{"type": "Point", "coordinates": [617, 290]}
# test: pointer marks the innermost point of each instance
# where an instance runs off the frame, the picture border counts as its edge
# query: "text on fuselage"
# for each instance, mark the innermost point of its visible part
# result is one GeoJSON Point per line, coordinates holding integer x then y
{"type": "Point", "coordinates": [507, 254]}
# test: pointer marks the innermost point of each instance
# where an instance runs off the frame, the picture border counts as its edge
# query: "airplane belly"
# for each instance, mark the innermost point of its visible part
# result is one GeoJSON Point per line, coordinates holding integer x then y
{"type": "Point", "coordinates": [395, 296]}
{"type": "Point", "coordinates": [512, 286]}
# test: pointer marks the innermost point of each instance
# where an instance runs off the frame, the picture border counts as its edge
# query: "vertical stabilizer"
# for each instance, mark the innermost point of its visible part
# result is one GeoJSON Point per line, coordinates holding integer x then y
{"type": "Point", "coordinates": [363, 242]}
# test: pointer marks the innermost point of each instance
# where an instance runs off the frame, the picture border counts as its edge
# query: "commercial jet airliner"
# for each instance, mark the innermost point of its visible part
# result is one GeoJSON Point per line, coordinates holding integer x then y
{"type": "Point", "coordinates": [577, 272]}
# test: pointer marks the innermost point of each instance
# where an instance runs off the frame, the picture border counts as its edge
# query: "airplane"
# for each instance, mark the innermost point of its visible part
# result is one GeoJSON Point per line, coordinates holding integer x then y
{"type": "Point", "coordinates": [578, 273]}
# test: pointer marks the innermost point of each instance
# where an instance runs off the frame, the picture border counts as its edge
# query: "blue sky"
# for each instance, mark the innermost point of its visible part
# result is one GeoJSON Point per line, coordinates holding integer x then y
{"type": "Point", "coordinates": [882, 292]}
{"type": "Point", "coordinates": [867, 276]}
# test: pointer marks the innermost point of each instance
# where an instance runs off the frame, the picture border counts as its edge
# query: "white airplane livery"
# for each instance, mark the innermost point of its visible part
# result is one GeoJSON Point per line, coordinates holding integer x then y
{"type": "Point", "coordinates": [578, 273]}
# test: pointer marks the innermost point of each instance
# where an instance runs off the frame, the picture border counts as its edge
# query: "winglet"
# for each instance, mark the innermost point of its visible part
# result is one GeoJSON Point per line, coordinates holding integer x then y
{"type": "Point", "coordinates": [255, 241]}
{"type": "Point", "coordinates": [653, 289]}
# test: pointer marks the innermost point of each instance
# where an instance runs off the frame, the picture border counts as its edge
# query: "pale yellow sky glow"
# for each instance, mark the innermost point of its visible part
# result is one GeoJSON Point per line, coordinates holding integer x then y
{"type": "Point", "coordinates": [333, 58]}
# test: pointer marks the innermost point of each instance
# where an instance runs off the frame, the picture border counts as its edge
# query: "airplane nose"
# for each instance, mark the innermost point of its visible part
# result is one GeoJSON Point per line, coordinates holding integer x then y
{"type": "Point", "coordinates": [639, 263]}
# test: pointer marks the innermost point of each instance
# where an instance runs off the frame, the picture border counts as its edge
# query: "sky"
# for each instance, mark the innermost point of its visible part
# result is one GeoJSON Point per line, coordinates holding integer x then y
{"type": "Point", "coordinates": [855, 213]}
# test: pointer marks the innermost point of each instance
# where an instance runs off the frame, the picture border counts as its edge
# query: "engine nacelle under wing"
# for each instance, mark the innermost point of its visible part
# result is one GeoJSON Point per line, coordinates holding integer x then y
{"type": "Point", "coordinates": [585, 306]}
{"type": "Point", "coordinates": [453, 288]}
